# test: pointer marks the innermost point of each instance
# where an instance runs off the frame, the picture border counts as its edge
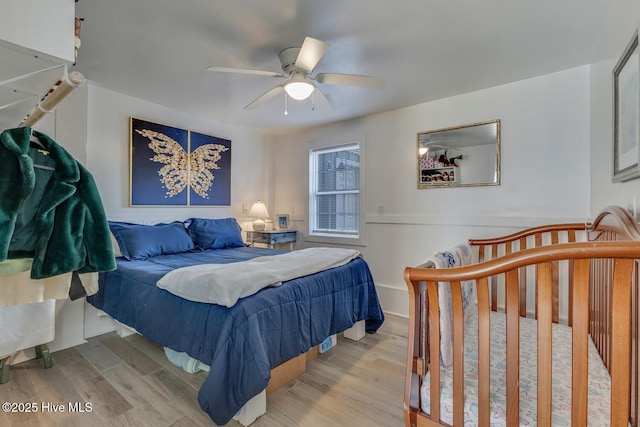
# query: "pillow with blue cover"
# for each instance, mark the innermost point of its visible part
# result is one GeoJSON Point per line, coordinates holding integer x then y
{"type": "Point", "coordinates": [215, 233]}
{"type": "Point", "coordinates": [140, 241]}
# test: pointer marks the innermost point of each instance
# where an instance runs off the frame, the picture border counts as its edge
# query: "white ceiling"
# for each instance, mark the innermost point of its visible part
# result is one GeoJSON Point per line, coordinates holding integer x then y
{"type": "Point", "coordinates": [158, 50]}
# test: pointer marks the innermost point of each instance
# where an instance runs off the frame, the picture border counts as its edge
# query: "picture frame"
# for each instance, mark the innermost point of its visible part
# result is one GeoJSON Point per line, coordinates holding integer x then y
{"type": "Point", "coordinates": [170, 166]}
{"type": "Point", "coordinates": [282, 222]}
{"type": "Point", "coordinates": [626, 113]}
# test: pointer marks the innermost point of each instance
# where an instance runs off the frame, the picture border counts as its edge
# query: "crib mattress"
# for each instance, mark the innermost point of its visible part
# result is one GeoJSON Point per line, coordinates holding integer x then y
{"type": "Point", "coordinates": [599, 379]}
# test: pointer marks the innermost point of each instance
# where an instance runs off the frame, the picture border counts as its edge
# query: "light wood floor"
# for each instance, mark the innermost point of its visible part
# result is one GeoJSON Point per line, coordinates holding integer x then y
{"type": "Point", "coordinates": [129, 382]}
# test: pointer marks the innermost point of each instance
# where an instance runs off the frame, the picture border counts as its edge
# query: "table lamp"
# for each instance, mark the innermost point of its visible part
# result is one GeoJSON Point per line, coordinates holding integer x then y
{"type": "Point", "coordinates": [258, 211]}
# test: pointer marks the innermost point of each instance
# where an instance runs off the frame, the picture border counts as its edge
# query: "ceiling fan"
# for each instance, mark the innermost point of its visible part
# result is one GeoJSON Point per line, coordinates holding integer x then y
{"type": "Point", "coordinates": [297, 64]}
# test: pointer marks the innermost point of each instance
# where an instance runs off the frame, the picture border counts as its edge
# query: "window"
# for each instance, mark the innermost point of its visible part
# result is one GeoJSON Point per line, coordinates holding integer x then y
{"type": "Point", "coordinates": [334, 202]}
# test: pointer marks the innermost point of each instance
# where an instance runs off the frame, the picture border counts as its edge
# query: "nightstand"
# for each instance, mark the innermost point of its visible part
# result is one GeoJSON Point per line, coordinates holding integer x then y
{"type": "Point", "coordinates": [270, 238]}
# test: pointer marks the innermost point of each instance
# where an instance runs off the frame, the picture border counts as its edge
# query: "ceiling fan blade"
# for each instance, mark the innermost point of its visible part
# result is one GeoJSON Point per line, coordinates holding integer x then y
{"type": "Point", "coordinates": [351, 80]}
{"type": "Point", "coordinates": [310, 53]}
{"type": "Point", "coordinates": [320, 95]}
{"type": "Point", "coordinates": [264, 97]}
{"type": "Point", "coordinates": [245, 71]}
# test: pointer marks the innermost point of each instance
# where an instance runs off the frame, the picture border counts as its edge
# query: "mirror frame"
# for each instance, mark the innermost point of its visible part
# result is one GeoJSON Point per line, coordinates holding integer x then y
{"type": "Point", "coordinates": [444, 184]}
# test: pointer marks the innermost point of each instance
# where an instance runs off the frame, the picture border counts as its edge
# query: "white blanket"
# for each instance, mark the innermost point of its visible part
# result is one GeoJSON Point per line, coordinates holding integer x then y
{"type": "Point", "coordinates": [225, 284]}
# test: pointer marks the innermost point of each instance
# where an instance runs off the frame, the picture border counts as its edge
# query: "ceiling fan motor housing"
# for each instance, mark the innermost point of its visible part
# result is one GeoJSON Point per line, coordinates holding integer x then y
{"type": "Point", "coordinates": [288, 58]}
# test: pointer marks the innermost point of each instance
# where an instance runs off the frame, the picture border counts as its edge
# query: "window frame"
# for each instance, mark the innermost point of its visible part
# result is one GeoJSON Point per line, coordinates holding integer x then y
{"type": "Point", "coordinates": [332, 237]}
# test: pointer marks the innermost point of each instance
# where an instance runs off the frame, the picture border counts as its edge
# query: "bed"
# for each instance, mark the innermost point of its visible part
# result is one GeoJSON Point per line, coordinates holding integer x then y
{"type": "Point", "coordinates": [243, 342]}
{"type": "Point", "coordinates": [491, 344]}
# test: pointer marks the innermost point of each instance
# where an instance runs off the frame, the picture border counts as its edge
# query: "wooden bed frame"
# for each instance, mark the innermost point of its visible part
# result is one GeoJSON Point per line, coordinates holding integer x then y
{"type": "Point", "coordinates": [601, 275]}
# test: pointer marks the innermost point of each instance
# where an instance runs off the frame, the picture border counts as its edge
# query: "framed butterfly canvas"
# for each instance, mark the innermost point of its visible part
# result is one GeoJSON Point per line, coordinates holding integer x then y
{"type": "Point", "coordinates": [177, 167]}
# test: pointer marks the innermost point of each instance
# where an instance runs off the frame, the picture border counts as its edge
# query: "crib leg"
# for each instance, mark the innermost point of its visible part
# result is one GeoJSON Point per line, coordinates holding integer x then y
{"type": "Point", "coordinates": [4, 369]}
{"type": "Point", "coordinates": [42, 352]}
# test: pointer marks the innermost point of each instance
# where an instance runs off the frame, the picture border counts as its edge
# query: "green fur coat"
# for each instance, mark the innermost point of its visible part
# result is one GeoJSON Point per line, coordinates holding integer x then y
{"type": "Point", "coordinates": [63, 213]}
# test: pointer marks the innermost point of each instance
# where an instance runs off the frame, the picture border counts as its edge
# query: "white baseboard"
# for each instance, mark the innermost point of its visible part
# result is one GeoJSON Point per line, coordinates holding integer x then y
{"type": "Point", "coordinates": [393, 300]}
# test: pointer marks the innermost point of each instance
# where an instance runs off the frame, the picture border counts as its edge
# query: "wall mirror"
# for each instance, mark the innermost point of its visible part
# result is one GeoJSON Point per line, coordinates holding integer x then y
{"type": "Point", "coordinates": [461, 156]}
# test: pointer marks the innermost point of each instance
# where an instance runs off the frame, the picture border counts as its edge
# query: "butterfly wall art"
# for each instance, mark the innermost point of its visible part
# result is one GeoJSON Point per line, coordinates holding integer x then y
{"type": "Point", "coordinates": [177, 167]}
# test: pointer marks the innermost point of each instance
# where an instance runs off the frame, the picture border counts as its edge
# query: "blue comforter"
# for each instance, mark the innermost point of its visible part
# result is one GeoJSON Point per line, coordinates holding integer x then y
{"type": "Point", "coordinates": [241, 343]}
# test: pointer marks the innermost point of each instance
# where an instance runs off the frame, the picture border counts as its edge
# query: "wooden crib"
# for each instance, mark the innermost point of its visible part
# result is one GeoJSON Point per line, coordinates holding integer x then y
{"type": "Point", "coordinates": [522, 275]}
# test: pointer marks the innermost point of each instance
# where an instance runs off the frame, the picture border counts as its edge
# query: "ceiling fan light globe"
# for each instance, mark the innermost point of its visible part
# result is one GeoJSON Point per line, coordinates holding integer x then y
{"type": "Point", "coordinates": [299, 90]}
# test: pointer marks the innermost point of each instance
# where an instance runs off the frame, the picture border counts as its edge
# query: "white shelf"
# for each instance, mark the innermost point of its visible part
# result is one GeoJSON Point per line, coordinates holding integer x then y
{"type": "Point", "coordinates": [24, 79]}
{"type": "Point", "coordinates": [43, 27]}
{"type": "Point", "coordinates": [36, 43]}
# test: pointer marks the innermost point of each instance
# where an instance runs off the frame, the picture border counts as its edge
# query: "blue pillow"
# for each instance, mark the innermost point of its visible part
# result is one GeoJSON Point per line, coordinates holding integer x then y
{"type": "Point", "coordinates": [215, 233]}
{"type": "Point", "coordinates": [139, 241]}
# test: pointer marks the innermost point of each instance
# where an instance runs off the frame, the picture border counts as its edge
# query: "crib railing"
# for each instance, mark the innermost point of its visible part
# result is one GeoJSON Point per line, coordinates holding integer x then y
{"type": "Point", "coordinates": [619, 280]}
{"type": "Point", "coordinates": [530, 238]}
{"type": "Point", "coordinates": [614, 224]}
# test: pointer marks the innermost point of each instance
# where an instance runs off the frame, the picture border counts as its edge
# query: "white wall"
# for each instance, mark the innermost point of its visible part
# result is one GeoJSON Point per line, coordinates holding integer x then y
{"type": "Point", "coordinates": [545, 172]}
{"type": "Point", "coordinates": [621, 23]}
{"type": "Point", "coordinates": [108, 156]}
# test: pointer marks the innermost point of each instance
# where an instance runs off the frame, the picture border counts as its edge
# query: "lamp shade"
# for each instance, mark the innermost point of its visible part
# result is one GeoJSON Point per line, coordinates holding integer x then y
{"type": "Point", "coordinates": [259, 211]}
{"type": "Point", "coordinates": [299, 89]}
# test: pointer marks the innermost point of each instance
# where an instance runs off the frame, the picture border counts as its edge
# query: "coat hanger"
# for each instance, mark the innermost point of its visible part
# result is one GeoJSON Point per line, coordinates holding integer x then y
{"type": "Point", "coordinates": [34, 142]}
